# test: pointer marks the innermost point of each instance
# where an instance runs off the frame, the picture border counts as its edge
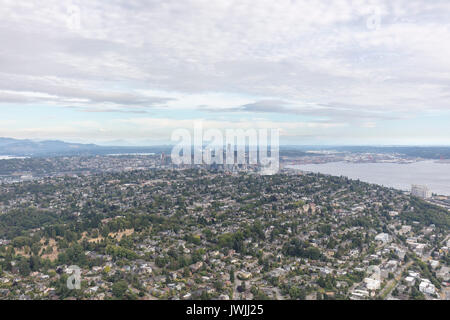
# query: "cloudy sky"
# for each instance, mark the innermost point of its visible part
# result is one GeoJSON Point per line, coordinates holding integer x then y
{"type": "Point", "coordinates": [130, 72]}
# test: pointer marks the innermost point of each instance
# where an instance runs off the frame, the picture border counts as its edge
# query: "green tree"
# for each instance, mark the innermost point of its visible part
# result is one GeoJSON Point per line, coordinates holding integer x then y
{"type": "Point", "coordinates": [119, 288]}
{"type": "Point", "coordinates": [232, 276]}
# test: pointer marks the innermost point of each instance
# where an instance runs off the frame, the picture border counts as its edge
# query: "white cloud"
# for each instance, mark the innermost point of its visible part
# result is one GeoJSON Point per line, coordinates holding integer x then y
{"type": "Point", "coordinates": [133, 56]}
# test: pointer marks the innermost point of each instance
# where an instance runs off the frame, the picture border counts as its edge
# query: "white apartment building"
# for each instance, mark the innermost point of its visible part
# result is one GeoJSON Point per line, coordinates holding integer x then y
{"type": "Point", "coordinates": [420, 191]}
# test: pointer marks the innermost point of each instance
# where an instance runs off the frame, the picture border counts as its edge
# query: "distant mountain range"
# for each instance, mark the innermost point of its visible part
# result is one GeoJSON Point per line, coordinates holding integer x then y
{"type": "Point", "coordinates": [26, 147]}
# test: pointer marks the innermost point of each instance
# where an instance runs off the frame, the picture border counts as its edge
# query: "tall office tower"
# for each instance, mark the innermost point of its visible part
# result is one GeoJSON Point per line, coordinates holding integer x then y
{"type": "Point", "coordinates": [229, 157]}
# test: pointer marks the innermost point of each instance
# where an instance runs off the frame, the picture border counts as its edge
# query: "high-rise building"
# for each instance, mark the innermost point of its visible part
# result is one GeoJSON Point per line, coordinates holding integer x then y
{"type": "Point", "coordinates": [420, 191]}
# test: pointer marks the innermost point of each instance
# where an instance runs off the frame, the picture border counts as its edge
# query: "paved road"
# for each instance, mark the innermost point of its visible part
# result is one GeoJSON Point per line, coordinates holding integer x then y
{"type": "Point", "coordinates": [396, 279]}
{"type": "Point", "coordinates": [406, 266]}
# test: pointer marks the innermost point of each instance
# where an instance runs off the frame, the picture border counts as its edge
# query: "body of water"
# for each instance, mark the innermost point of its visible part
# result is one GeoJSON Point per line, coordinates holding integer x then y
{"type": "Point", "coordinates": [434, 175]}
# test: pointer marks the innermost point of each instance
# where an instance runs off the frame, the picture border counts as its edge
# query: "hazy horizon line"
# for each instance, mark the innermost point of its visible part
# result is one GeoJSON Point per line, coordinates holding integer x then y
{"type": "Point", "coordinates": [165, 143]}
